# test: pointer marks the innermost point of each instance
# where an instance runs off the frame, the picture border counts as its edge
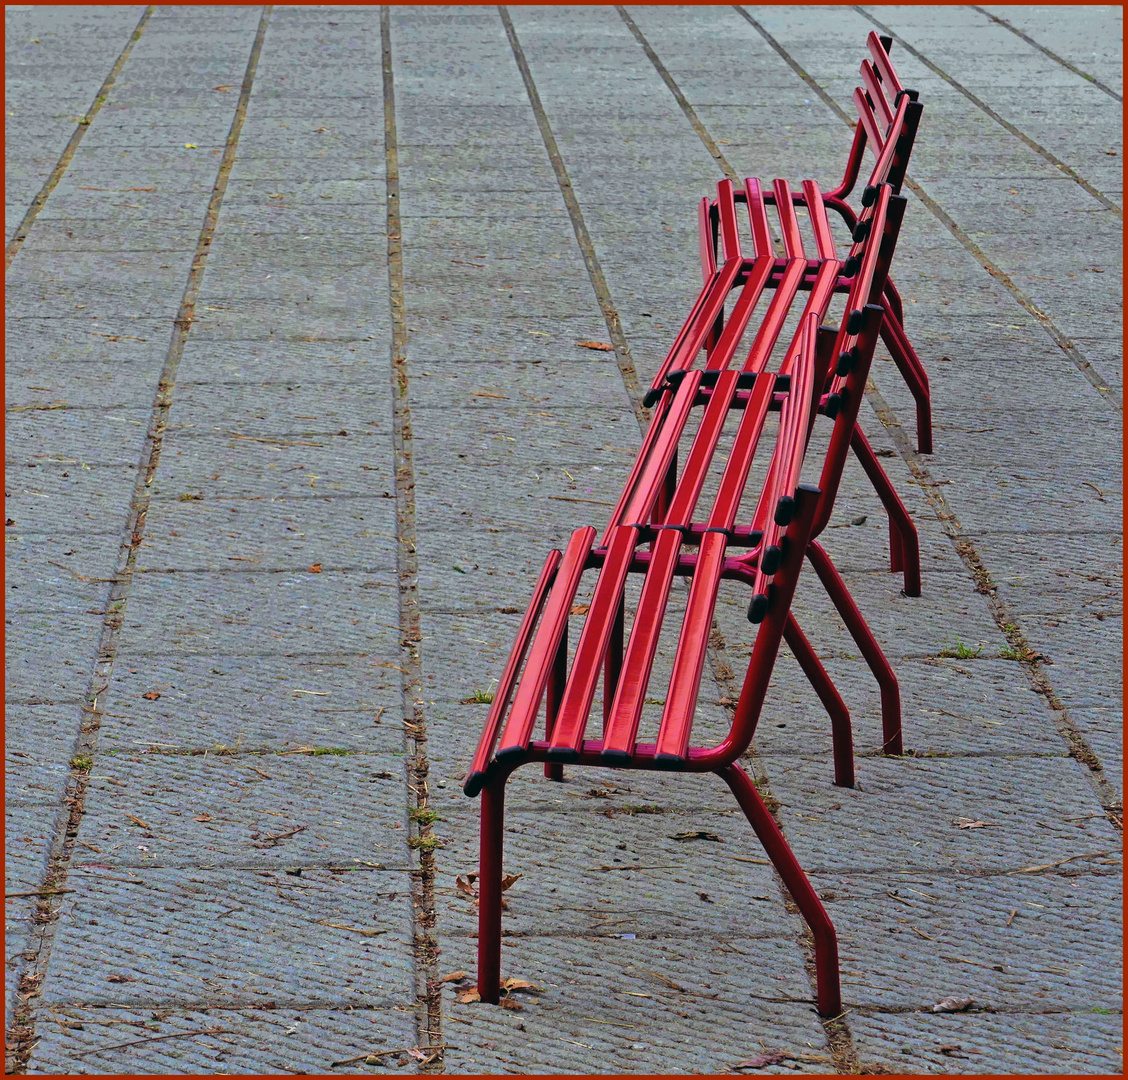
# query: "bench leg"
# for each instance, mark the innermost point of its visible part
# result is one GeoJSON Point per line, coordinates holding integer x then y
{"type": "Point", "coordinates": [904, 545]}
{"type": "Point", "coordinates": [866, 642]}
{"type": "Point", "coordinates": [557, 678]}
{"type": "Point", "coordinates": [826, 942]}
{"type": "Point", "coordinates": [840, 732]}
{"type": "Point", "coordinates": [912, 371]}
{"type": "Point", "coordinates": [489, 889]}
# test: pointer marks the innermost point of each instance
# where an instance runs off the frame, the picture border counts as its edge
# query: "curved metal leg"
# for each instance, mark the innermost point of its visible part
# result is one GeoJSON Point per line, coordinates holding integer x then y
{"type": "Point", "coordinates": [489, 888]}
{"type": "Point", "coordinates": [916, 378]}
{"type": "Point", "coordinates": [828, 990]}
{"type": "Point", "coordinates": [866, 642]}
{"type": "Point", "coordinates": [904, 547]}
{"type": "Point", "coordinates": [840, 732]}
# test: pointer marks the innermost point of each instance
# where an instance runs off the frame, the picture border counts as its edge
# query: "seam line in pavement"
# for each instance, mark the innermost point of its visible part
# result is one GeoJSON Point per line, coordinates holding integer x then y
{"type": "Point", "coordinates": [1052, 55]}
{"type": "Point", "coordinates": [421, 837]}
{"type": "Point", "coordinates": [46, 914]}
{"type": "Point", "coordinates": [839, 1038]}
{"type": "Point", "coordinates": [1063, 341]}
{"type": "Point", "coordinates": [583, 238]}
{"type": "Point", "coordinates": [68, 153]}
{"type": "Point", "coordinates": [980, 104]}
{"type": "Point", "coordinates": [1000, 610]}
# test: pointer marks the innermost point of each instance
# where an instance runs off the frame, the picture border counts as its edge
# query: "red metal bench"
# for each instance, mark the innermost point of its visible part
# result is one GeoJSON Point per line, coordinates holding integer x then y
{"type": "Point", "coordinates": [888, 118]}
{"type": "Point", "coordinates": [653, 532]}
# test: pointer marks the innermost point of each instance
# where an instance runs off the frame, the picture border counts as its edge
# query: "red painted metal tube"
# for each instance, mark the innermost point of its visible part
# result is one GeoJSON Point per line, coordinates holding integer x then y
{"type": "Point", "coordinates": [853, 165]}
{"type": "Point", "coordinates": [657, 464]}
{"type": "Point", "coordinates": [758, 219]}
{"type": "Point", "coordinates": [789, 223]}
{"type": "Point", "coordinates": [509, 675]}
{"type": "Point", "coordinates": [689, 660]}
{"type": "Point", "coordinates": [701, 452]}
{"type": "Point", "coordinates": [726, 208]}
{"type": "Point", "coordinates": [841, 734]}
{"type": "Point", "coordinates": [899, 518]}
{"type": "Point", "coordinates": [701, 321]}
{"type": "Point", "coordinates": [758, 277]}
{"type": "Point", "coordinates": [706, 241]}
{"type": "Point", "coordinates": [775, 316]}
{"type": "Point", "coordinates": [816, 209]}
{"type": "Point", "coordinates": [727, 502]}
{"type": "Point", "coordinates": [591, 650]}
{"type": "Point", "coordinates": [881, 60]}
{"type": "Point", "coordinates": [626, 710]}
{"type": "Point", "coordinates": [806, 899]}
{"type": "Point", "coordinates": [557, 680]}
{"type": "Point", "coordinates": [866, 642]}
{"type": "Point", "coordinates": [491, 837]}
{"type": "Point", "coordinates": [868, 120]}
{"type": "Point", "coordinates": [916, 378]}
{"type": "Point", "coordinates": [881, 107]}
{"type": "Point", "coordinates": [519, 729]}
{"type": "Point", "coordinates": [613, 664]}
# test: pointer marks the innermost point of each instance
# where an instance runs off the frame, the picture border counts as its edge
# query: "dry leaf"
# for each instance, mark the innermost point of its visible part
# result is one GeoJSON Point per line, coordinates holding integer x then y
{"type": "Point", "coordinates": [315, 568]}
{"type": "Point", "coordinates": [761, 1061]}
{"type": "Point", "coordinates": [221, 89]}
{"type": "Point", "coordinates": [705, 897]}
{"type": "Point", "coordinates": [454, 976]}
{"type": "Point", "coordinates": [466, 886]}
{"type": "Point", "coordinates": [580, 609]}
{"type": "Point", "coordinates": [151, 695]}
{"type": "Point", "coordinates": [203, 817]}
{"type": "Point", "coordinates": [121, 978]}
{"type": "Point", "coordinates": [697, 834]}
{"type": "Point", "coordinates": [968, 823]}
{"type": "Point", "coordinates": [510, 1003]}
{"type": "Point", "coordinates": [468, 997]}
{"type": "Point", "coordinates": [511, 985]}
{"type": "Point", "coordinates": [508, 880]}
{"type": "Point", "coordinates": [953, 1005]}
{"type": "Point", "coordinates": [601, 346]}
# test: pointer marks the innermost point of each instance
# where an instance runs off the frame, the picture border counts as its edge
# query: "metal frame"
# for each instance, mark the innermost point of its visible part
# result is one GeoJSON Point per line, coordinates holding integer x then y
{"type": "Point", "coordinates": [652, 524]}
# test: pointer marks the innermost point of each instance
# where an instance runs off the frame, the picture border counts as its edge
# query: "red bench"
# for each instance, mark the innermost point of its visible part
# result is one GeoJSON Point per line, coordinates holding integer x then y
{"type": "Point", "coordinates": [888, 119]}
{"type": "Point", "coordinates": [656, 531]}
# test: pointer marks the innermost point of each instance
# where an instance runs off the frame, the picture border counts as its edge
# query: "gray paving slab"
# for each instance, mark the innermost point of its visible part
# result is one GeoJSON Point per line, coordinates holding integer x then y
{"type": "Point", "coordinates": [258, 680]}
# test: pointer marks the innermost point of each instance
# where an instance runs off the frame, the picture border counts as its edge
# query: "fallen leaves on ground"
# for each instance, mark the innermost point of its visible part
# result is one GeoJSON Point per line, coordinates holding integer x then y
{"type": "Point", "coordinates": [454, 976]}
{"type": "Point", "coordinates": [970, 823]}
{"type": "Point", "coordinates": [697, 834]}
{"type": "Point", "coordinates": [315, 568]}
{"type": "Point", "coordinates": [600, 346]}
{"type": "Point", "coordinates": [152, 695]}
{"type": "Point", "coordinates": [468, 997]}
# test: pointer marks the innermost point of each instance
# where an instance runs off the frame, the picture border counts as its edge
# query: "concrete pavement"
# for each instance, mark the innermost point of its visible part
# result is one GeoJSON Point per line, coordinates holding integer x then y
{"type": "Point", "coordinates": [294, 412]}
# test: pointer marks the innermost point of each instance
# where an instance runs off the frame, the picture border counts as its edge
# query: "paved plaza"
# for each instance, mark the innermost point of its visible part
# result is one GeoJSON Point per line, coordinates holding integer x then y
{"type": "Point", "coordinates": [295, 409]}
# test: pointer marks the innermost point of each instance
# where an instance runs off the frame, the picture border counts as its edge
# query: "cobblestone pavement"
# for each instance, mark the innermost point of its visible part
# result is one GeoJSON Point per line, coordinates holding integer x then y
{"type": "Point", "coordinates": [294, 412]}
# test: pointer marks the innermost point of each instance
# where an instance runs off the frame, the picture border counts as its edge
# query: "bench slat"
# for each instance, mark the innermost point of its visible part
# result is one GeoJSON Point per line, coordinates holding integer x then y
{"type": "Point", "coordinates": [816, 208]}
{"type": "Point", "coordinates": [758, 218]}
{"type": "Point", "coordinates": [705, 240]}
{"type": "Point", "coordinates": [868, 121]}
{"type": "Point", "coordinates": [519, 730]}
{"type": "Point", "coordinates": [509, 675]}
{"type": "Point", "coordinates": [881, 107]}
{"type": "Point", "coordinates": [726, 207]}
{"type": "Point", "coordinates": [884, 67]}
{"type": "Point", "coordinates": [595, 637]}
{"type": "Point", "coordinates": [792, 237]}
